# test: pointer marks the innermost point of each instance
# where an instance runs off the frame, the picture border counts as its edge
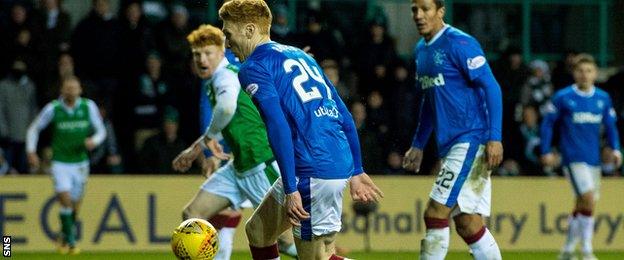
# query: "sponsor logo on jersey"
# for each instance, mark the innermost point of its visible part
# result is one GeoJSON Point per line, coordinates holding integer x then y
{"type": "Point", "coordinates": [476, 62]}
{"type": "Point", "coordinates": [586, 118]}
{"type": "Point", "coordinates": [429, 82]}
{"type": "Point", "coordinates": [72, 125]}
{"type": "Point", "coordinates": [251, 89]}
{"type": "Point", "coordinates": [325, 111]}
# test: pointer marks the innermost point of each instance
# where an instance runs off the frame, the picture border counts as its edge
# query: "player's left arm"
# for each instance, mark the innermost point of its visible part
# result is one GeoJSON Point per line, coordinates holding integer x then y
{"type": "Point", "coordinates": [609, 119]}
{"type": "Point", "coordinates": [226, 90]}
{"type": "Point", "coordinates": [471, 59]}
{"type": "Point", "coordinates": [98, 125]}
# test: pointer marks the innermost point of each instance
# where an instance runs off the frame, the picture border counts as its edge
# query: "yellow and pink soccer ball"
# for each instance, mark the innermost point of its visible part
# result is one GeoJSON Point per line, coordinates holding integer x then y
{"type": "Point", "coordinates": [195, 239]}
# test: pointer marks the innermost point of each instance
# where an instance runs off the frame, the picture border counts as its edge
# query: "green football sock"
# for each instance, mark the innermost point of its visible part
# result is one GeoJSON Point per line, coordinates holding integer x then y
{"type": "Point", "coordinates": [67, 225]}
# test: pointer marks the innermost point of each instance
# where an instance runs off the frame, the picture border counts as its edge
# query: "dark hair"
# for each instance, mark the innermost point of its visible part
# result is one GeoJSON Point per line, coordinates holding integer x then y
{"type": "Point", "coordinates": [439, 3]}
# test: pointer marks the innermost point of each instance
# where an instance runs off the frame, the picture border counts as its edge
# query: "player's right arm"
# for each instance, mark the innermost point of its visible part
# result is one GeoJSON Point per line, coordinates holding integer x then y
{"type": "Point", "coordinates": [32, 135]}
{"type": "Point", "coordinates": [258, 83]}
{"type": "Point", "coordinates": [546, 130]}
{"type": "Point", "coordinates": [413, 157]}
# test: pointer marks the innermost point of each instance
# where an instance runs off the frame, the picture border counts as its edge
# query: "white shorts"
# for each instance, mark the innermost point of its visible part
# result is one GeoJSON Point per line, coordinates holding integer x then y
{"type": "Point", "coordinates": [464, 181]}
{"type": "Point", "coordinates": [70, 177]}
{"type": "Point", "coordinates": [251, 185]}
{"type": "Point", "coordinates": [322, 199]}
{"type": "Point", "coordinates": [584, 178]}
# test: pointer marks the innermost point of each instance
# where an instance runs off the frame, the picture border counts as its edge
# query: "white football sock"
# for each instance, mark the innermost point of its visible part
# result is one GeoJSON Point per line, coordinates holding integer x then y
{"type": "Point", "coordinates": [573, 234]}
{"type": "Point", "coordinates": [486, 248]}
{"type": "Point", "coordinates": [435, 244]}
{"type": "Point", "coordinates": [226, 240]}
{"type": "Point", "coordinates": [586, 224]}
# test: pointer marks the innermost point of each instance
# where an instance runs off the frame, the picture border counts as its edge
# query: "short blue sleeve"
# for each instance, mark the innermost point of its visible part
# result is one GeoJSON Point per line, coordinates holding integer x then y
{"type": "Point", "coordinates": [469, 57]}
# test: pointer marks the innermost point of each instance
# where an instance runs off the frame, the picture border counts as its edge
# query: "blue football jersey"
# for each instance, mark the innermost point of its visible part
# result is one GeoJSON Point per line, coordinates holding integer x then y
{"type": "Point", "coordinates": [446, 67]}
{"type": "Point", "coordinates": [309, 102]}
{"type": "Point", "coordinates": [581, 116]}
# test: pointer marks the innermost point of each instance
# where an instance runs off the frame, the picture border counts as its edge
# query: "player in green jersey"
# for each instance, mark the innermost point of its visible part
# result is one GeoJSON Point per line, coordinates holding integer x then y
{"type": "Point", "coordinates": [236, 120]}
{"type": "Point", "coordinates": [76, 129]}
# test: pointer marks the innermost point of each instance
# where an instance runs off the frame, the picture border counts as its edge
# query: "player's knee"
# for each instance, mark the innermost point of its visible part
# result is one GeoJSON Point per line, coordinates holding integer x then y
{"type": "Point", "coordinates": [586, 201]}
{"type": "Point", "coordinates": [190, 212]}
{"type": "Point", "coordinates": [251, 229]}
{"type": "Point", "coordinates": [467, 225]}
{"type": "Point", "coordinates": [436, 210]}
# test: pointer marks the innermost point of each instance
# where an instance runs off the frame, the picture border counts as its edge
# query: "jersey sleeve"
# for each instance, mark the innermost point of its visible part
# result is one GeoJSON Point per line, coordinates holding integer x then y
{"type": "Point", "coordinates": [493, 102]}
{"type": "Point", "coordinates": [226, 89]}
{"type": "Point", "coordinates": [551, 115]}
{"type": "Point", "coordinates": [97, 123]}
{"type": "Point", "coordinates": [609, 119]}
{"type": "Point", "coordinates": [468, 56]}
{"type": "Point", "coordinates": [258, 83]}
{"type": "Point", "coordinates": [425, 124]}
{"type": "Point", "coordinates": [41, 121]}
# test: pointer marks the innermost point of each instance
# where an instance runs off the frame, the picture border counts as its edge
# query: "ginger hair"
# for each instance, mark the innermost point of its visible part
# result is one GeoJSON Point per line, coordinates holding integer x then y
{"type": "Point", "coordinates": [206, 35]}
{"type": "Point", "coordinates": [248, 11]}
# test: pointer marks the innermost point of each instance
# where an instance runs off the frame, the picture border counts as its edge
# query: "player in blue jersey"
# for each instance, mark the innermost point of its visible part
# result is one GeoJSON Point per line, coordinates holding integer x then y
{"type": "Point", "coordinates": [462, 103]}
{"type": "Point", "coordinates": [581, 110]}
{"type": "Point", "coordinates": [311, 133]}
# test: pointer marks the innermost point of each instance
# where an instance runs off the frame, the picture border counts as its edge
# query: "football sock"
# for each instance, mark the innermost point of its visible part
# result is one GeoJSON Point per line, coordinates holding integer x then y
{"type": "Point", "coordinates": [573, 233]}
{"type": "Point", "coordinates": [435, 244]}
{"type": "Point", "coordinates": [335, 257]}
{"type": "Point", "coordinates": [483, 245]}
{"type": "Point", "coordinates": [226, 239]}
{"type": "Point", "coordinates": [264, 253]}
{"type": "Point", "coordinates": [586, 223]}
{"type": "Point", "coordinates": [67, 225]}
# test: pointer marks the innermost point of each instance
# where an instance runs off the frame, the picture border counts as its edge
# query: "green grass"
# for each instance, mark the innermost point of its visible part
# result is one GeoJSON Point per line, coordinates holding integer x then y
{"type": "Point", "coordinates": [246, 256]}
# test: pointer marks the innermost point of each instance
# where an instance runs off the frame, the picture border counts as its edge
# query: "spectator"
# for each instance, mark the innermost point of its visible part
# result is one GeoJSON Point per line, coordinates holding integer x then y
{"type": "Point", "coordinates": [332, 71]}
{"type": "Point", "coordinates": [5, 168]}
{"type": "Point", "coordinates": [562, 74]}
{"type": "Point", "coordinates": [95, 48]}
{"type": "Point", "coordinates": [280, 30]}
{"type": "Point", "coordinates": [372, 154]}
{"type": "Point", "coordinates": [17, 31]}
{"type": "Point", "coordinates": [172, 43]}
{"type": "Point", "coordinates": [136, 39]}
{"type": "Point", "coordinates": [323, 44]}
{"type": "Point", "coordinates": [395, 164]}
{"type": "Point", "coordinates": [105, 158]}
{"type": "Point", "coordinates": [529, 128]}
{"type": "Point", "coordinates": [159, 150]}
{"type": "Point", "coordinates": [511, 72]}
{"type": "Point", "coordinates": [538, 89]}
{"type": "Point", "coordinates": [403, 98]}
{"type": "Point", "coordinates": [376, 55]}
{"type": "Point", "coordinates": [18, 108]}
{"type": "Point", "coordinates": [150, 99]}
{"type": "Point", "coordinates": [377, 114]}
{"type": "Point", "coordinates": [53, 29]}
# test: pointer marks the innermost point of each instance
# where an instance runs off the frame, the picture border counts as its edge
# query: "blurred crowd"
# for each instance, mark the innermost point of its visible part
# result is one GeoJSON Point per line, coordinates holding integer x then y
{"type": "Point", "coordinates": [135, 64]}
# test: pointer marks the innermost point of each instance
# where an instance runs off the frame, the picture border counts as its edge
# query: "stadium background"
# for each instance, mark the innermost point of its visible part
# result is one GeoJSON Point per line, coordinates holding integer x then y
{"type": "Point", "coordinates": [134, 62]}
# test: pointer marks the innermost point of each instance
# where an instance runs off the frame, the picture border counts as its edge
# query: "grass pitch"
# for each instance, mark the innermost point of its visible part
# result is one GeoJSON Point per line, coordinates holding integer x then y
{"type": "Point", "coordinates": [246, 255]}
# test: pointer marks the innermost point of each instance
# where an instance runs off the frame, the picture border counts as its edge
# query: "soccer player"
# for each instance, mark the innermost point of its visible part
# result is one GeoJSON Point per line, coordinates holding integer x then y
{"type": "Point", "coordinates": [462, 103]}
{"type": "Point", "coordinates": [310, 130]}
{"type": "Point", "coordinates": [582, 109]}
{"type": "Point", "coordinates": [234, 118]}
{"type": "Point", "coordinates": [73, 120]}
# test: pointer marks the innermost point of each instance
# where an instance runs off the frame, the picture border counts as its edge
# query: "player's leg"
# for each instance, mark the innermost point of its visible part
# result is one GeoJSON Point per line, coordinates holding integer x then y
{"type": "Point", "coordinates": [322, 198]}
{"type": "Point", "coordinates": [61, 176]}
{"type": "Point", "coordinates": [254, 184]}
{"type": "Point", "coordinates": [79, 175]}
{"type": "Point", "coordinates": [473, 203]}
{"type": "Point", "coordinates": [585, 180]}
{"type": "Point", "coordinates": [574, 229]}
{"type": "Point", "coordinates": [218, 192]}
{"type": "Point", "coordinates": [454, 169]}
{"type": "Point", "coordinates": [265, 225]}
{"type": "Point", "coordinates": [226, 222]}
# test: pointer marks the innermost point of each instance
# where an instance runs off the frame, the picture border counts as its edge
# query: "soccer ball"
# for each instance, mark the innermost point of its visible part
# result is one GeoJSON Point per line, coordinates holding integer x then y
{"type": "Point", "coordinates": [195, 239]}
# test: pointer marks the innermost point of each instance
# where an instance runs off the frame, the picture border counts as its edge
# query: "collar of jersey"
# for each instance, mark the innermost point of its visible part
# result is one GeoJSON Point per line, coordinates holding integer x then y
{"type": "Point", "coordinates": [67, 108]}
{"type": "Point", "coordinates": [435, 37]}
{"type": "Point", "coordinates": [583, 93]}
